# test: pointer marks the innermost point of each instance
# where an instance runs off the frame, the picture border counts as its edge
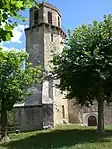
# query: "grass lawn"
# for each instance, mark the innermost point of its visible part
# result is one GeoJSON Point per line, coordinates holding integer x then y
{"type": "Point", "coordinates": [66, 137]}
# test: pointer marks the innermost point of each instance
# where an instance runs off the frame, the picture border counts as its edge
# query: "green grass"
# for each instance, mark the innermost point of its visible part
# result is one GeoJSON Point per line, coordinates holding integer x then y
{"type": "Point", "coordinates": [67, 137]}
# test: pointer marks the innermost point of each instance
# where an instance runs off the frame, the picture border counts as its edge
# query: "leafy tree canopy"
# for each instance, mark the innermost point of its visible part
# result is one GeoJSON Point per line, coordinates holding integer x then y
{"type": "Point", "coordinates": [85, 65]}
{"type": "Point", "coordinates": [8, 9]}
{"type": "Point", "coordinates": [16, 76]}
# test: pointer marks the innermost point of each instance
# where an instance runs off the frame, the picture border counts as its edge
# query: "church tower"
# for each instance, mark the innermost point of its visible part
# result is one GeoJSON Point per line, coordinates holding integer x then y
{"type": "Point", "coordinates": [44, 35]}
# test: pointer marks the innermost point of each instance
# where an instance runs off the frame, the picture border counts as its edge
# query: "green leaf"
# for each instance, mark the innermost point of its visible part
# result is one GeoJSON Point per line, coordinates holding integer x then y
{"type": "Point", "coordinates": [24, 19]}
{"type": "Point", "coordinates": [8, 37]}
{"type": "Point", "coordinates": [19, 4]}
{"type": "Point", "coordinates": [5, 16]}
{"type": "Point", "coordinates": [8, 27]}
{"type": "Point", "coordinates": [10, 9]}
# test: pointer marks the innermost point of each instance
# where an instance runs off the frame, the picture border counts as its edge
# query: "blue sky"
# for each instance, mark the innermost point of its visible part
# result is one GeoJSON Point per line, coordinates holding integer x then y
{"type": "Point", "coordinates": [74, 13]}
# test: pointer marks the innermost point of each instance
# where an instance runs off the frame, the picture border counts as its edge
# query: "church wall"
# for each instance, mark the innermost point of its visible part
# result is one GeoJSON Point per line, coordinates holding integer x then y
{"type": "Point", "coordinates": [29, 118]}
{"type": "Point", "coordinates": [55, 16]}
{"type": "Point", "coordinates": [87, 115]}
{"type": "Point", "coordinates": [35, 45]}
{"type": "Point", "coordinates": [48, 115]}
{"type": "Point", "coordinates": [60, 107]}
{"type": "Point", "coordinates": [81, 115]}
{"type": "Point", "coordinates": [74, 112]}
{"type": "Point", "coordinates": [93, 111]}
{"type": "Point", "coordinates": [40, 20]}
{"type": "Point", "coordinates": [56, 47]}
{"type": "Point", "coordinates": [50, 46]}
{"type": "Point", "coordinates": [59, 118]}
{"type": "Point", "coordinates": [46, 89]}
{"type": "Point", "coordinates": [35, 49]}
{"type": "Point", "coordinates": [108, 114]}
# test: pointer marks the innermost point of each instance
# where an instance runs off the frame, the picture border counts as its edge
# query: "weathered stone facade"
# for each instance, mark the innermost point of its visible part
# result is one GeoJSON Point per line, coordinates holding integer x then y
{"type": "Point", "coordinates": [82, 115]}
{"type": "Point", "coordinates": [27, 117]}
{"type": "Point", "coordinates": [74, 112]}
{"type": "Point", "coordinates": [93, 111]}
{"type": "Point", "coordinates": [46, 106]}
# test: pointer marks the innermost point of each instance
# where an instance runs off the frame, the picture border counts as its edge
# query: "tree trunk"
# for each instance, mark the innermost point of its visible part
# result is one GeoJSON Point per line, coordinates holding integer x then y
{"type": "Point", "coordinates": [4, 135]}
{"type": "Point", "coordinates": [100, 116]}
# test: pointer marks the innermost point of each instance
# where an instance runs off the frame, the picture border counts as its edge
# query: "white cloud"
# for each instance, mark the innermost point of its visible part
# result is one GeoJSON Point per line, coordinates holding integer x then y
{"type": "Point", "coordinates": [10, 49]}
{"type": "Point", "coordinates": [17, 33]}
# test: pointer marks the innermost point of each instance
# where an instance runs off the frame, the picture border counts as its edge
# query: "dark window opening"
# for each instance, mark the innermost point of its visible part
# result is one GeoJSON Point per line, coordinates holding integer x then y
{"type": "Point", "coordinates": [50, 17]}
{"type": "Point", "coordinates": [36, 17]}
{"type": "Point", "coordinates": [52, 37]}
{"type": "Point", "coordinates": [59, 21]}
{"type": "Point", "coordinates": [63, 111]}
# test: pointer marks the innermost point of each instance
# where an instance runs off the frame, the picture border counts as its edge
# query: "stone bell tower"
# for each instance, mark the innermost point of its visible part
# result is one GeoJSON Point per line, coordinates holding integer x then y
{"type": "Point", "coordinates": [46, 106]}
{"type": "Point", "coordinates": [44, 34]}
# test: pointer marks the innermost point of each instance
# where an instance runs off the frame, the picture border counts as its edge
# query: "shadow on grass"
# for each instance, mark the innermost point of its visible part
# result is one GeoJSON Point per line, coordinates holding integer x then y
{"type": "Point", "coordinates": [56, 139]}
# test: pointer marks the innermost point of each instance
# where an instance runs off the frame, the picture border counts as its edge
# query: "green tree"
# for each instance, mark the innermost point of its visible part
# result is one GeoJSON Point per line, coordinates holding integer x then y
{"type": "Point", "coordinates": [10, 9]}
{"type": "Point", "coordinates": [16, 76]}
{"type": "Point", "coordinates": [85, 65]}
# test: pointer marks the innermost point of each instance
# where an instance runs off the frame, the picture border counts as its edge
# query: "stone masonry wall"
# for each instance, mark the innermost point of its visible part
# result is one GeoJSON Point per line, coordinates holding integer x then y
{"type": "Point", "coordinates": [58, 100]}
{"type": "Point", "coordinates": [50, 46]}
{"type": "Point", "coordinates": [35, 45]}
{"type": "Point", "coordinates": [32, 11]}
{"type": "Point", "coordinates": [55, 16]}
{"type": "Point", "coordinates": [59, 103]}
{"type": "Point", "coordinates": [56, 47]}
{"type": "Point", "coordinates": [108, 114]}
{"type": "Point", "coordinates": [74, 112]}
{"type": "Point", "coordinates": [48, 115]}
{"type": "Point", "coordinates": [93, 110]}
{"type": "Point", "coordinates": [29, 118]}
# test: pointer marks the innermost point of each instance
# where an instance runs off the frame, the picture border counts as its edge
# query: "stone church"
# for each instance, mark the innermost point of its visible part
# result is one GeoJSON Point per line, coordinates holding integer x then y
{"type": "Point", "coordinates": [46, 107]}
